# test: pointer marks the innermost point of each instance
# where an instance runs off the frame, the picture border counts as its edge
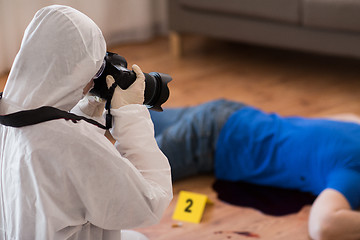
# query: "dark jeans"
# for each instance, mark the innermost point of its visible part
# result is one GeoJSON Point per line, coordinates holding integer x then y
{"type": "Point", "coordinates": [188, 136]}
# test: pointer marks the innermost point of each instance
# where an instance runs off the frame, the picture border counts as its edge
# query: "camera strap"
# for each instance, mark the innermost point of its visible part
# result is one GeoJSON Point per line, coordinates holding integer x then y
{"type": "Point", "coordinates": [108, 105]}
{"type": "Point", "coordinates": [39, 115]}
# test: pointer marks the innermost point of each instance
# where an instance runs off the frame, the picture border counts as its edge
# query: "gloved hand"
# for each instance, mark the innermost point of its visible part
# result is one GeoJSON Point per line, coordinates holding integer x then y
{"type": "Point", "coordinates": [132, 95]}
{"type": "Point", "coordinates": [91, 105]}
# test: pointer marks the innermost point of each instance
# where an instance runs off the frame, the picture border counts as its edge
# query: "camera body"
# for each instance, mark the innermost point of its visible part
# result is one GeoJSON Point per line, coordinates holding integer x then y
{"type": "Point", "coordinates": [156, 89]}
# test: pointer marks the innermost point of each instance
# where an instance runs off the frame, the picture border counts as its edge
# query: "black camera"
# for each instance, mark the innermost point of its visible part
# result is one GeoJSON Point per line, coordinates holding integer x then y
{"type": "Point", "coordinates": [156, 89]}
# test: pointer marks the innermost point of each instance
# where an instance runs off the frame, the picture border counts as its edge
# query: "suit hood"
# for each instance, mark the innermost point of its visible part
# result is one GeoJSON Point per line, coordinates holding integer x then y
{"type": "Point", "coordinates": [62, 49]}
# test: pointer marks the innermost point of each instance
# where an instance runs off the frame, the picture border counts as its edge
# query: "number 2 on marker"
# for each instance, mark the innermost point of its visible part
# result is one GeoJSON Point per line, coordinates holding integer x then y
{"type": "Point", "coordinates": [190, 207]}
{"type": "Point", "coordinates": [190, 203]}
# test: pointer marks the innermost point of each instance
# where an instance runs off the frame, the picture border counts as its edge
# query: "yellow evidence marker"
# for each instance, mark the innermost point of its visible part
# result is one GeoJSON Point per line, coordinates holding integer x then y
{"type": "Point", "coordinates": [190, 207]}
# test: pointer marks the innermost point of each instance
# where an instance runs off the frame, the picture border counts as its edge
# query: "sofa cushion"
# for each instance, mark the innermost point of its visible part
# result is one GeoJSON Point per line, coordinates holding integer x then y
{"type": "Point", "coordinates": [277, 10]}
{"type": "Point", "coordinates": [332, 14]}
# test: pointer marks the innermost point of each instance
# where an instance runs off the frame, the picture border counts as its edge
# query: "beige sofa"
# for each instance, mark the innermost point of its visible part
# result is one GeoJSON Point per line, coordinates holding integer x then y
{"type": "Point", "coordinates": [322, 26]}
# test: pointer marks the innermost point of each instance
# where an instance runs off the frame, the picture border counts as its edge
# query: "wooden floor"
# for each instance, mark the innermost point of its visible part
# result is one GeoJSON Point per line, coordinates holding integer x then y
{"type": "Point", "coordinates": [286, 82]}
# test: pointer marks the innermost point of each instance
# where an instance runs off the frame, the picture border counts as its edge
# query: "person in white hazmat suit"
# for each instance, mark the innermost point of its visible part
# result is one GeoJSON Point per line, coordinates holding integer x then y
{"type": "Point", "coordinates": [62, 179]}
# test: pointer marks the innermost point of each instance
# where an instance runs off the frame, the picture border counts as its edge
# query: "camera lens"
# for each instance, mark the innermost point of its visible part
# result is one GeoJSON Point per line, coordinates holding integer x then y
{"type": "Point", "coordinates": [156, 89]}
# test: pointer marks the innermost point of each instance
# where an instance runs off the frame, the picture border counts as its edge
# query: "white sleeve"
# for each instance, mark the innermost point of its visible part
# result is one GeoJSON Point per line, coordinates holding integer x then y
{"type": "Point", "coordinates": [133, 131]}
{"type": "Point", "coordinates": [129, 186]}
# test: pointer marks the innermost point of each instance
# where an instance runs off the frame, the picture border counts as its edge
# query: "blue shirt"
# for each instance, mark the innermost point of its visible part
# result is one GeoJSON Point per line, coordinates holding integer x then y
{"type": "Point", "coordinates": [290, 152]}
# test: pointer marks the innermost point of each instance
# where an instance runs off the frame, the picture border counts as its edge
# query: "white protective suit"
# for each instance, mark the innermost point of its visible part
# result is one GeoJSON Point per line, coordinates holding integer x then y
{"type": "Point", "coordinates": [65, 180]}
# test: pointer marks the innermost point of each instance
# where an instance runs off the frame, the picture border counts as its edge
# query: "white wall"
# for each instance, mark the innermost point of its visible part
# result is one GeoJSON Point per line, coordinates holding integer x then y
{"type": "Point", "coordinates": [119, 20]}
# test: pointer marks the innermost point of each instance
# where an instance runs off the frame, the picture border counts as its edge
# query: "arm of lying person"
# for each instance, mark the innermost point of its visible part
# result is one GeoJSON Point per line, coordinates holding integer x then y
{"type": "Point", "coordinates": [332, 217]}
{"type": "Point", "coordinates": [345, 117]}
